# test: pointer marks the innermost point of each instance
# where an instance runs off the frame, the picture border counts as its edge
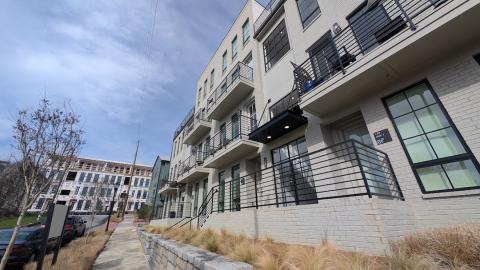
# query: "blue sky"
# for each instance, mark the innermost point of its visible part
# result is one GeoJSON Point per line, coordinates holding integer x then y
{"type": "Point", "coordinates": [92, 53]}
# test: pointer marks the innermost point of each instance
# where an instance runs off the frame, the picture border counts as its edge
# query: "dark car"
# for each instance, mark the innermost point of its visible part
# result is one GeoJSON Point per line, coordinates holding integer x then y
{"type": "Point", "coordinates": [74, 226]}
{"type": "Point", "coordinates": [27, 244]}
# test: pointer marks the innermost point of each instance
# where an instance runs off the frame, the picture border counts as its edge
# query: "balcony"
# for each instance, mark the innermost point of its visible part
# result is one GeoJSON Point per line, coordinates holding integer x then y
{"type": "Point", "coordinates": [284, 117]}
{"type": "Point", "coordinates": [236, 86]}
{"type": "Point", "coordinates": [192, 168]}
{"type": "Point", "coordinates": [390, 40]}
{"type": "Point", "coordinates": [231, 143]}
{"type": "Point", "coordinates": [199, 127]}
{"type": "Point", "coordinates": [168, 187]}
{"type": "Point", "coordinates": [184, 122]}
{"type": "Point", "coordinates": [347, 169]}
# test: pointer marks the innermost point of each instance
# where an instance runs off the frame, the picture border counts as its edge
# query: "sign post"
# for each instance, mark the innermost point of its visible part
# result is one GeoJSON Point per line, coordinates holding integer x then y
{"type": "Point", "coordinates": [112, 203]}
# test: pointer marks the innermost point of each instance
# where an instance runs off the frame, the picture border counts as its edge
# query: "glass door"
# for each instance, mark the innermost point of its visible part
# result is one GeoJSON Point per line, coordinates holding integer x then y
{"type": "Point", "coordinates": [235, 127]}
{"type": "Point", "coordinates": [221, 192]}
{"type": "Point", "coordinates": [235, 189]}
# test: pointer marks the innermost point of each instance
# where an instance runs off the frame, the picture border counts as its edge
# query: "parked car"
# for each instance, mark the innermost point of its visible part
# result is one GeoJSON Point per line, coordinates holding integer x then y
{"type": "Point", "coordinates": [27, 244]}
{"type": "Point", "coordinates": [74, 226]}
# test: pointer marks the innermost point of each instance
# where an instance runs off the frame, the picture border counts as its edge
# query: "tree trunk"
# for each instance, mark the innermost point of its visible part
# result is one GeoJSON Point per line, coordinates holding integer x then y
{"type": "Point", "coordinates": [3, 263]}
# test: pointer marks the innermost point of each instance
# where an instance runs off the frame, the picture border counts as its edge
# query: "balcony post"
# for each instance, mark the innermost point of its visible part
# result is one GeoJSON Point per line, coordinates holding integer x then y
{"type": "Point", "coordinates": [413, 27]}
{"type": "Point", "coordinates": [362, 172]}
{"type": "Point", "coordinates": [294, 182]}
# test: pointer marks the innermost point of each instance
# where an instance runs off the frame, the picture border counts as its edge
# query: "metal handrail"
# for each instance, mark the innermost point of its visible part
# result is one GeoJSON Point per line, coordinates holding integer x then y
{"type": "Point", "coordinates": [240, 71]}
{"type": "Point", "coordinates": [193, 161]}
{"type": "Point", "coordinates": [229, 132]}
{"type": "Point", "coordinates": [199, 116]}
{"type": "Point", "coordinates": [265, 15]}
{"type": "Point", "coordinates": [346, 169]}
{"type": "Point", "coordinates": [378, 24]}
{"type": "Point", "coordinates": [184, 122]}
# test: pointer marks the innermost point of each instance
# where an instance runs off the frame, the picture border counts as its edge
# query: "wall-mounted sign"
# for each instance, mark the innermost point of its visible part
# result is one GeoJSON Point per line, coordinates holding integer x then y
{"type": "Point", "coordinates": [382, 136]}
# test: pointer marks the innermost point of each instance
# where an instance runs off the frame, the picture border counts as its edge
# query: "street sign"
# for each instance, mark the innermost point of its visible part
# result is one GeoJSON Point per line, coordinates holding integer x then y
{"type": "Point", "coordinates": [58, 220]}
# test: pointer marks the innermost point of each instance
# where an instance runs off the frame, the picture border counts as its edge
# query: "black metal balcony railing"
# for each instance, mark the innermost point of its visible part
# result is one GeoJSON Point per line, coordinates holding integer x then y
{"type": "Point", "coordinates": [193, 161]}
{"type": "Point", "coordinates": [184, 122]}
{"type": "Point", "coordinates": [238, 128]}
{"type": "Point", "coordinates": [343, 170]}
{"type": "Point", "coordinates": [374, 26]}
{"type": "Point", "coordinates": [240, 71]}
{"type": "Point", "coordinates": [287, 103]}
{"type": "Point", "coordinates": [199, 116]}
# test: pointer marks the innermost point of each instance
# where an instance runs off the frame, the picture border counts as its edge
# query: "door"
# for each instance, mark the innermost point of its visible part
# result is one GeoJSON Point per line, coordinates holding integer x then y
{"type": "Point", "coordinates": [252, 113]}
{"type": "Point", "coordinates": [235, 127]}
{"type": "Point", "coordinates": [223, 135]}
{"type": "Point", "coordinates": [354, 128]}
{"type": "Point", "coordinates": [221, 192]}
{"type": "Point", "coordinates": [180, 204]}
{"type": "Point", "coordinates": [235, 188]}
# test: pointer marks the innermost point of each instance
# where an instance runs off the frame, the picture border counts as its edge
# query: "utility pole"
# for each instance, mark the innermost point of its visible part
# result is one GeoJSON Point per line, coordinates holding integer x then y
{"type": "Point", "coordinates": [131, 180]}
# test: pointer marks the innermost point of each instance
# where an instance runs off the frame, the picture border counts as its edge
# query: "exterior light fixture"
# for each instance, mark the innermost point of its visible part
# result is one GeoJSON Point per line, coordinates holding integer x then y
{"type": "Point", "coordinates": [286, 127]}
{"type": "Point", "coordinates": [269, 137]}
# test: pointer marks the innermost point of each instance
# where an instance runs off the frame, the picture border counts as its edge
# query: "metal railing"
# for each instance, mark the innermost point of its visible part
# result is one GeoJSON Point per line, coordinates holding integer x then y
{"type": "Point", "coordinates": [346, 169]}
{"type": "Point", "coordinates": [287, 103]}
{"type": "Point", "coordinates": [377, 24]}
{"type": "Point", "coordinates": [265, 15]}
{"type": "Point", "coordinates": [238, 128]}
{"type": "Point", "coordinates": [193, 161]}
{"type": "Point", "coordinates": [199, 116]}
{"type": "Point", "coordinates": [184, 122]}
{"type": "Point", "coordinates": [180, 210]}
{"type": "Point", "coordinates": [240, 71]}
{"type": "Point", "coordinates": [206, 208]}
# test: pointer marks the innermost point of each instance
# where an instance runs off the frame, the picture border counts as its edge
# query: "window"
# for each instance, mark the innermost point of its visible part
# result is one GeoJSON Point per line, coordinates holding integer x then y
{"type": "Point", "coordinates": [89, 177]}
{"type": "Point", "coordinates": [224, 62]}
{"type": "Point", "coordinates": [221, 191]}
{"type": "Point", "coordinates": [64, 192]}
{"type": "Point", "coordinates": [235, 126]}
{"type": "Point", "coordinates": [276, 45]}
{"type": "Point", "coordinates": [136, 205]}
{"type": "Point", "coordinates": [212, 78]}
{"type": "Point", "coordinates": [77, 189]}
{"type": "Point", "coordinates": [205, 188]}
{"type": "Point", "coordinates": [147, 183]}
{"type": "Point", "coordinates": [135, 183]}
{"type": "Point", "coordinates": [79, 205]}
{"type": "Point", "coordinates": [119, 180]}
{"type": "Point", "coordinates": [40, 203]}
{"type": "Point", "coordinates": [309, 10]}
{"type": "Point", "coordinates": [71, 176]}
{"type": "Point", "coordinates": [245, 32]}
{"type": "Point", "coordinates": [141, 182]}
{"type": "Point", "coordinates": [109, 192]}
{"type": "Point", "coordinates": [145, 194]}
{"type": "Point", "coordinates": [139, 193]}
{"type": "Point", "coordinates": [92, 191]}
{"type": "Point", "coordinates": [106, 179]}
{"type": "Point", "coordinates": [234, 47]}
{"type": "Point", "coordinates": [87, 205]}
{"type": "Point", "coordinates": [95, 178]}
{"type": "Point", "coordinates": [235, 188]}
{"type": "Point", "coordinates": [82, 177]}
{"type": "Point", "coordinates": [205, 83]}
{"type": "Point", "coordinates": [84, 191]}
{"type": "Point", "coordinates": [439, 156]}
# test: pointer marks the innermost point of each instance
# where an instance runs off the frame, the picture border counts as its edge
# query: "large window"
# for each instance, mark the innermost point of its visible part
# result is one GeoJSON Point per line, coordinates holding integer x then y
{"type": "Point", "coordinates": [309, 10]}
{"type": "Point", "coordinates": [293, 175]}
{"type": "Point", "coordinates": [245, 32]}
{"type": "Point", "coordinates": [205, 83]}
{"type": "Point", "coordinates": [276, 45]}
{"type": "Point", "coordinates": [437, 152]}
{"type": "Point", "coordinates": [234, 47]}
{"type": "Point", "coordinates": [224, 62]}
{"type": "Point", "coordinates": [212, 78]}
{"type": "Point", "coordinates": [235, 188]}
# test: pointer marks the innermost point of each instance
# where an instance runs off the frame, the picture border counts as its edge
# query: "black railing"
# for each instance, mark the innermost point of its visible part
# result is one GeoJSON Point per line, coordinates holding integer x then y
{"type": "Point", "coordinates": [180, 210]}
{"type": "Point", "coordinates": [287, 103]}
{"type": "Point", "coordinates": [343, 170]}
{"type": "Point", "coordinates": [193, 161]}
{"type": "Point", "coordinates": [270, 9]}
{"type": "Point", "coordinates": [238, 128]}
{"type": "Point", "coordinates": [199, 116]}
{"type": "Point", "coordinates": [372, 26]}
{"type": "Point", "coordinates": [206, 208]}
{"type": "Point", "coordinates": [240, 71]}
{"type": "Point", "coordinates": [184, 122]}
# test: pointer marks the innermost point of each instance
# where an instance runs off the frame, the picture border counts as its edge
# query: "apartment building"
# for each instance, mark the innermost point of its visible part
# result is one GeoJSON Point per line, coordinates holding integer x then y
{"type": "Point", "coordinates": [358, 124]}
{"type": "Point", "coordinates": [159, 178]}
{"type": "Point", "coordinates": [93, 181]}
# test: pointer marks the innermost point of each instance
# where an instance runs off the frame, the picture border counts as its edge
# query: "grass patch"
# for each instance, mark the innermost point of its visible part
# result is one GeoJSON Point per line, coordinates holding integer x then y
{"type": "Point", "coordinates": [9, 222]}
{"type": "Point", "coordinates": [77, 255]}
{"type": "Point", "coordinates": [455, 248]}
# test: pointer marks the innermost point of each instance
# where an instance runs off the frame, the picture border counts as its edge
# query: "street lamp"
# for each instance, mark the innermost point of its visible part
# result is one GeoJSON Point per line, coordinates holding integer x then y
{"type": "Point", "coordinates": [112, 203]}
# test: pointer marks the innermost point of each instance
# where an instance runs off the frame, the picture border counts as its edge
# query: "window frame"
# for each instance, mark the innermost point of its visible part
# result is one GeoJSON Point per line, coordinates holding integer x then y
{"type": "Point", "coordinates": [234, 48]}
{"type": "Point", "coordinates": [310, 17]}
{"type": "Point", "coordinates": [468, 155]}
{"type": "Point", "coordinates": [212, 78]}
{"type": "Point", "coordinates": [272, 38]}
{"type": "Point", "coordinates": [245, 25]}
{"type": "Point", "coordinates": [224, 62]}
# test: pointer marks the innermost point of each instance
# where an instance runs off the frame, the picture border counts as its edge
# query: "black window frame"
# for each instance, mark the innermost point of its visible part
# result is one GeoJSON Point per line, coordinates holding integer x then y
{"type": "Point", "coordinates": [272, 54]}
{"type": "Point", "coordinates": [246, 25]}
{"type": "Point", "coordinates": [439, 161]}
{"type": "Point", "coordinates": [309, 18]}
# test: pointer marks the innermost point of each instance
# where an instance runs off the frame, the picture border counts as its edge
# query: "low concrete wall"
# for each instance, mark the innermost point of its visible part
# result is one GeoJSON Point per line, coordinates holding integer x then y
{"type": "Point", "coordinates": [172, 255]}
{"type": "Point", "coordinates": [165, 222]}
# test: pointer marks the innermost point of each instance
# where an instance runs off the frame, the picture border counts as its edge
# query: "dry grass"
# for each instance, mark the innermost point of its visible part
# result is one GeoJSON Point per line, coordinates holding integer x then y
{"type": "Point", "coordinates": [77, 255]}
{"type": "Point", "coordinates": [456, 248]}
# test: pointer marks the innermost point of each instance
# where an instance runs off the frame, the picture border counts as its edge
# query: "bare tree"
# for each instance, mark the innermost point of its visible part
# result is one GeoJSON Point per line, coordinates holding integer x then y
{"type": "Point", "coordinates": [46, 139]}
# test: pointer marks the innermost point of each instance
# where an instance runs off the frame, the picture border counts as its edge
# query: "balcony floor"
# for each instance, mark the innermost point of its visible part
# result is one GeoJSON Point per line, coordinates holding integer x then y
{"type": "Point", "coordinates": [236, 93]}
{"type": "Point", "coordinates": [199, 130]}
{"type": "Point", "coordinates": [197, 173]}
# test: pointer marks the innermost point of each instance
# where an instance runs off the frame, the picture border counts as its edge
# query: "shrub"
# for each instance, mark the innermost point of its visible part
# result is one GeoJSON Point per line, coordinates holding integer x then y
{"type": "Point", "coordinates": [144, 212]}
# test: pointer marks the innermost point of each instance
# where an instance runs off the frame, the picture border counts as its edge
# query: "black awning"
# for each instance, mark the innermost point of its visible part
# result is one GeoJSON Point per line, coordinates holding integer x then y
{"type": "Point", "coordinates": [278, 126]}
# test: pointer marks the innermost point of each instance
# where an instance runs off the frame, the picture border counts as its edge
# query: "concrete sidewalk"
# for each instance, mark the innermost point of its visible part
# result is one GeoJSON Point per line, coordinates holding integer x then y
{"type": "Point", "coordinates": [123, 250]}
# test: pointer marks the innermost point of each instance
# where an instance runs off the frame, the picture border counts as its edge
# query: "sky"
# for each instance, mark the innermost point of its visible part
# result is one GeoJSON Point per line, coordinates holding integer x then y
{"type": "Point", "coordinates": [101, 57]}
